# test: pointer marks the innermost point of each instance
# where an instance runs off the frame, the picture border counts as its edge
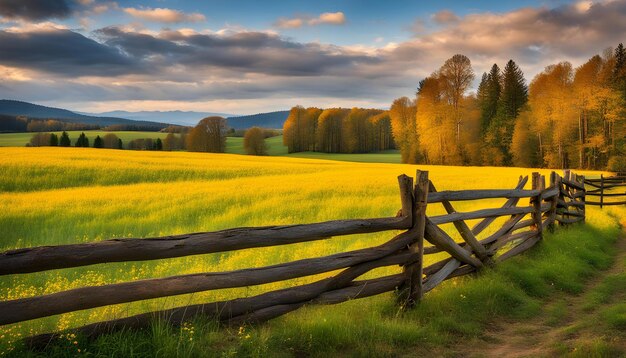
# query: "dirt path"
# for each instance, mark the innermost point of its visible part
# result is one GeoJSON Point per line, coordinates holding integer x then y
{"type": "Point", "coordinates": [563, 324]}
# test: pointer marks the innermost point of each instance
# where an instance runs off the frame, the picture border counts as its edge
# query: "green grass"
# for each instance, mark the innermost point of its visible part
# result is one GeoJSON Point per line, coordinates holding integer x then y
{"type": "Point", "coordinates": [387, 156]}
{"type": "Point", "coordinates": [66, 195]}
{"type": "Point", "coordinates": [458, 310]}
{"type": "Point", "coordinates": [20, 139]}
{"type": "Point", "coordinates": [234, 145]}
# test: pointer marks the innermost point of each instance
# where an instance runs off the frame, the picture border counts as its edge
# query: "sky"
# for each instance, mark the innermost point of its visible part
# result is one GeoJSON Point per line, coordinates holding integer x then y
{"type": "Point", "coordinates": [244, 57]}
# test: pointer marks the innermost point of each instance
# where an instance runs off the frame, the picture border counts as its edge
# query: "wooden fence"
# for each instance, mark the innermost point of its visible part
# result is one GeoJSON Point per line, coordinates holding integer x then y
{"type": "Point", "coordinates": [521, 228]}
{"type": "Point", "coordinates": [607, 188]}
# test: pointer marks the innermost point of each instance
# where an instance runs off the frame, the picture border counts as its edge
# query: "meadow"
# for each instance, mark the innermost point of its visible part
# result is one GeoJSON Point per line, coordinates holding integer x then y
{"type": "Point", "coordinates": [234, 145]}
{"type": "Point", "coordinates": [52, 196]}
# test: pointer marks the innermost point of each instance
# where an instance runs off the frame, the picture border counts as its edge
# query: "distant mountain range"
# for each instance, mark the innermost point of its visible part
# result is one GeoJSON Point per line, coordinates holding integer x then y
{"type": "Point", "coordinates": [19, 108]}
{"type": "Point", "coordinates": [160, 119]}
{"type": "Point", "coordinates": [183, 118]}
{"type": "Point", "coordinates": [270, 120]}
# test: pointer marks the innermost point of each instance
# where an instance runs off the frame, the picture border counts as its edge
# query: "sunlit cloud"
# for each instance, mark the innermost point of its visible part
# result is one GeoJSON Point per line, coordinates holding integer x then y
{"type": "Point", "coordinates": [194, 67]}
{"type": "Point", "coordinates": [164, 15]}
{"type": "Point", "coordinates": [445, 17]}
{"type": "Point", "coordinates": [327, 18]}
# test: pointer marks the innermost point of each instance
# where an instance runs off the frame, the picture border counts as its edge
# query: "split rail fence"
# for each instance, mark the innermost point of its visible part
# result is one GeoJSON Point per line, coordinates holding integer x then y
{"type": "Point", "coordinates": [522, 226]}
{"type": "Point", "coordinates": [612, 188]}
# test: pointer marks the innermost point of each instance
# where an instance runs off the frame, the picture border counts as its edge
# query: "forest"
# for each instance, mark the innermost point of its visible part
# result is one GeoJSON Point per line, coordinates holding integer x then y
{"type": "Point", "coordinates": [566, 117]}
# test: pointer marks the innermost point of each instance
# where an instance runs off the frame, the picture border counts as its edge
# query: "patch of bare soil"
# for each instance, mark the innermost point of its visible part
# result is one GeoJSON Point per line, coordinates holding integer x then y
{"type": "Point", "coordinates": [541, 336]}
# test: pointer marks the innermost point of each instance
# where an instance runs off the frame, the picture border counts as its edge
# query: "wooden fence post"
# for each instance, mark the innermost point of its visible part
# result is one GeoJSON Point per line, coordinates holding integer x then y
{"type": "Point", "coordinates": [536, 201]}
{"type": "Point", "coordinates": [583, 198]}
{"type": "Point", "coordinates": [567, 176]}
{"type": "Point", "coordinates": [412, 290]}
{"type": "Point", "coordinates": [601, 190]}
{"type": "Point", "coordinates": [555, 182]}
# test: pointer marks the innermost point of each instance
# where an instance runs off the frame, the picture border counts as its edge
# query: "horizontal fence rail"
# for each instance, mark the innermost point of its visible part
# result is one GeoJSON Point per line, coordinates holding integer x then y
{"type": "Point", "coordinates": [613, 187]}
{"type": "Point", "coordinates": [563, 202]}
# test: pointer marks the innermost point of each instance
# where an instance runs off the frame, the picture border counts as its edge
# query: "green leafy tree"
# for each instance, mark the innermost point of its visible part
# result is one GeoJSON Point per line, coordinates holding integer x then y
{"type": "Point", "coordinates": [54, 140]}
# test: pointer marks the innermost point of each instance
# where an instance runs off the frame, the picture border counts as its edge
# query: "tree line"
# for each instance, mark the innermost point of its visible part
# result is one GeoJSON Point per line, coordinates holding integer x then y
{"type": "Point", "coordinates": [209, 135]}
{"type": "Point", "coordinates": [567, 117]}
{"type": "Point", "coordinates": [337, 130]}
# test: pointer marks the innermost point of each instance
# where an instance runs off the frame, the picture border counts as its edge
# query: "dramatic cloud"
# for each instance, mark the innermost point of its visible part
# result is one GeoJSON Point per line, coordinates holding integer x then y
{"type": "Point", "coordinates": [533, 37]}
{"type": "Point", "coordinates": [246, 71]}
{"type": "Point", "coordinates": [61, 52]}
{"type": "Point", "coordinates": [245, 52]}
{"type": "Point", "coordinates": [164, 15]}
{"type": "Point", "coordinates": [327, 18]}
{"type": "Point", "coordinates": [35, 9]}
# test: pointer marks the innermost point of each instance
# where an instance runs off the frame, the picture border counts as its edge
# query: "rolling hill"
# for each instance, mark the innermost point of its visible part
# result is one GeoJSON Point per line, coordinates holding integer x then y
{"type": "Point", "coordinates": [271, 120]}
{"type": "Point", "coordinates": [157, 119]}
{"type": "Point", "coordinates": [31, 110]}
{"type": "Point", "coordinates": [184, 118]}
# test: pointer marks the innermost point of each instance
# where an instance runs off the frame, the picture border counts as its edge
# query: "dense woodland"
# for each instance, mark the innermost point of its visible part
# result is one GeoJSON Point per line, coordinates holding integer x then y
{"type": "Point", "coordinates": [337, 130]}
{"type": "Point", "coordinates": [565, 118]}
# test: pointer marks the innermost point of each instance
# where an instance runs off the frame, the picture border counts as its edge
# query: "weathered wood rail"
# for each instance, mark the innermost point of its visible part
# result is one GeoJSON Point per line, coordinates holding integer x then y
{"type": "Point", "coordinates": [606, 188]}
{"type": "Point", "coordinates": [522, 227]}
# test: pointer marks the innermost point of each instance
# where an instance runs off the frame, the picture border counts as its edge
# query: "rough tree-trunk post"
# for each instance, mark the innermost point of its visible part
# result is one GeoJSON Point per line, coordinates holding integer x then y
{"type": "Point", "coordinates": [583, 198]}
{"type": "Point", "coordinates": [567, 175]}
{"type": "Point", "coordinates": [412, 290]}
{"type": "Point", "coordinates": [536, 201]}
{"type": "Point", "coordinates": [601, 190]}
{"type": "Point", "coordinates": [555, 182]}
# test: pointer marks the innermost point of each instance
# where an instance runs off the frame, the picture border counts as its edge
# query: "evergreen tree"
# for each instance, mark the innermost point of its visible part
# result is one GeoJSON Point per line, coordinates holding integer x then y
{"type": "Point", "coordinates": [98, 143]}
{"type": "Point", "coordinates": [514, 91]}
{"type": "Point", "coordinates": [619, 71]}
{"type": "Point", "coordinates": [54, 140]}
{"type": "Point", "coordinates": [489, 94]}
{"type": "Point", "coordinates": [82, 140]}
{"type": "Point", "coordinates": [65, 140]}
{"type": "Point", "coordinates": [158, 145]}
{"type": "Point", "coordinates": [119, 144]}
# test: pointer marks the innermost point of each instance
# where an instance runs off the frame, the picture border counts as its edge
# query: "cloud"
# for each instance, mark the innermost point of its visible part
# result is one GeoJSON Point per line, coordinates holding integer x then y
{"type": "Point", "coordinates": [35, 10]}
{"type": "Point", "coordinates": [245, 52]}
{"type": "Point", "coordinates": [61, 52]}
{"type": "Point", "coordinates": [234, 66]}
{"type": "Point", "coordinates": [445, 17]}
{"type": "Point", "coordinates": [533, 37]}
{"type": "Point", "coordinates": [327, 18]}
{"type": "Point", "coordinates": [330, 18]}
{"type": "Point", "coordinates": [164, 15]}
{"type": "Point", "coordinates": [289, 23]}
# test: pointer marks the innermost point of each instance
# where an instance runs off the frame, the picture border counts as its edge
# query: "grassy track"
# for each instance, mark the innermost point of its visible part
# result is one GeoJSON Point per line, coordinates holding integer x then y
{"type": "Point", "coordinates": [65, 195]}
